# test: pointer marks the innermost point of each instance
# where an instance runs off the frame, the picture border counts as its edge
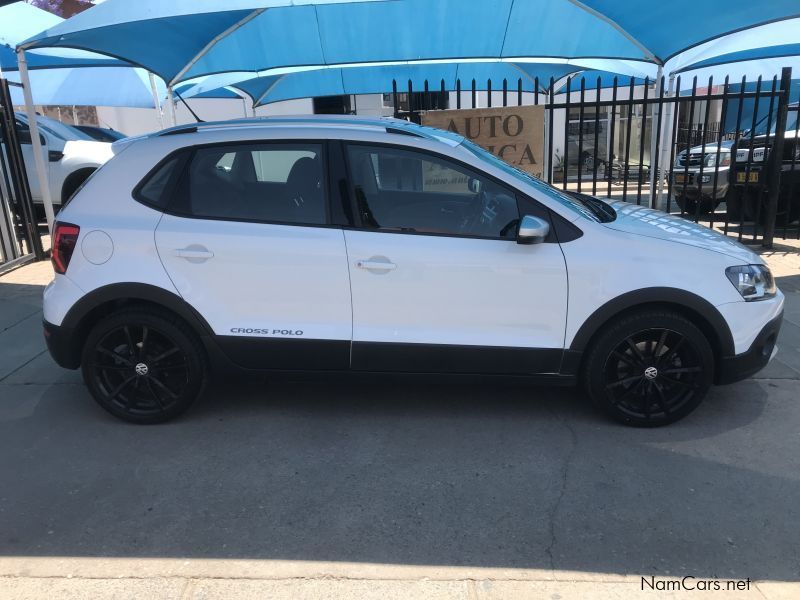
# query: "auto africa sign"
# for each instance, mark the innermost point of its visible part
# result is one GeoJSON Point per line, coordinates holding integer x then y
{"type": "Point", "coordinates": [515, 133]}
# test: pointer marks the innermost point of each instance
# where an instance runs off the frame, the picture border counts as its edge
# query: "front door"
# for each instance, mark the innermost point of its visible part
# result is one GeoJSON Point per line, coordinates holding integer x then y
{"type": "Point", "coordinates": [438, 282]}
{"type": "Point", "coordinates": [248, 245]}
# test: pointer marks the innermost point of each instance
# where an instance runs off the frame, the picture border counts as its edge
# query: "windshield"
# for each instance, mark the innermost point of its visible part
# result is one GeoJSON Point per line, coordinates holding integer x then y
{"type": "Point", "coordinates": [60, 130]}
{"type": "Point", "coordinates": [586, 206]}
{"type": "Point", "coordinates": [791, 123]}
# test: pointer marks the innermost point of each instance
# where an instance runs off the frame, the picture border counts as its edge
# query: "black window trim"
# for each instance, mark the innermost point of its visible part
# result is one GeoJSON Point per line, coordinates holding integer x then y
{"type": "Point", "coordinates": [188, 154]}
{"type": "Point", "coordinates": [359, 226]}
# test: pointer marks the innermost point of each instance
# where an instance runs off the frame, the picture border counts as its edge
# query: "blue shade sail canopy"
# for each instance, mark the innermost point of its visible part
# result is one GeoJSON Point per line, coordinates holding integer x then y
{"type": "Point", "coordinates": [66, 76]}
{"type": "Point", "coordinates": [19, 21]}
{"type": "Point", "coordinates": [98, 86]}
{"type": "Point", "coordinates": [779, 51]}
{"type": "Point", "coordinates": [378, 79]}
{"type": "Point", "coordinates": [185, 39]}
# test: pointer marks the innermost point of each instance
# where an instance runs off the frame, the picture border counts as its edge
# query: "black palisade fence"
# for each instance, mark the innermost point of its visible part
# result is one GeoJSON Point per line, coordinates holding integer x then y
{"type": "Point", "coordinates": [20, 240]}
{"type": "Point", "coordinates": [724, 154]}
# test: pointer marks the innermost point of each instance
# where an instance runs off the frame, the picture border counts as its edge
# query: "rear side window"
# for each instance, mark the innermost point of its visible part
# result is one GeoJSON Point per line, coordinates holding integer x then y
{"type": "Point", "coordinates": [270, 182]}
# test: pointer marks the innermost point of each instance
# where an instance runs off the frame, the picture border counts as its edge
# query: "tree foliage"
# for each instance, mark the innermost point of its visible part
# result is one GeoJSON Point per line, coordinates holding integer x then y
{"type": "Point", "coordinates": [62, 8]}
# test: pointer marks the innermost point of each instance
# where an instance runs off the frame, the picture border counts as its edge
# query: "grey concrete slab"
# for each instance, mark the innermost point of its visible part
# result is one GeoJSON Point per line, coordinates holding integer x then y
{"type": "Point", "coordinates": [83, 589]}
{"type": "Point", "coordinates": [499, 475]}
{"type": "Point", "coordinates": [388, 486]}
{"type": "Point", "coordinates": [14, 311]}
{"type": "Point", "coordinates": [43, 370]}
{"type": "Point", "coordinates": [21, 343]}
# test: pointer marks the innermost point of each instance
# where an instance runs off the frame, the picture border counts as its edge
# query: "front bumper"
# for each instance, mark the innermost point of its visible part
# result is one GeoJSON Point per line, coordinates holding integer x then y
{"type": "Point", "coordinates": [742, 366]}
{"type": "Point", "coordinates": [61, 342]}
{"type": "Point", "coordinates": [690, 189]}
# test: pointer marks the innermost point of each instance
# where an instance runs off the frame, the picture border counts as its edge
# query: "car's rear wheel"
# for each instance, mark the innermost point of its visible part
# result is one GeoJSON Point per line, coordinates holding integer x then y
{"type": "Point", "coordinates": [651, 368]}
{"type": "Point", "coordinates": [143, 365]}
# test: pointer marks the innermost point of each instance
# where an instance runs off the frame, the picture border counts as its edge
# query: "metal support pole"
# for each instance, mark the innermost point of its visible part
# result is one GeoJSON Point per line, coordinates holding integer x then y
{"type": "Point", "coordinates": [775, 158]}
{"type": "Point", "coordinates": [173, 117]}
{"type": "Point", "coordinates": [156, 100]}
{"type": "Point", "coordinates": [36, 142]}
{"type": "Point", "coordinates": [666, 151]}
{"type": "Point", "coordinates": [7, 234]}
{"type": "Point", "coordinates": [547, 149]}
{"type": "Point", "coordinates": [654, 169]}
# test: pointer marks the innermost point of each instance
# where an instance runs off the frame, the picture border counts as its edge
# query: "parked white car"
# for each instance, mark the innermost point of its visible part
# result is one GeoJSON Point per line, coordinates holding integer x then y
{"type": "Point", "coordinates": [346, 244]}
{"type": "Point", "coordinates": [70, 157]}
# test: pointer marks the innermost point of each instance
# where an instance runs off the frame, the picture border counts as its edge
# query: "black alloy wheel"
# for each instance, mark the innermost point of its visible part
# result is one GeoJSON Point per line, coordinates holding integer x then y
{"type": "Point", "coordinates": [143, 366]}
{"type": "Point", "coordinates": [650, 369]}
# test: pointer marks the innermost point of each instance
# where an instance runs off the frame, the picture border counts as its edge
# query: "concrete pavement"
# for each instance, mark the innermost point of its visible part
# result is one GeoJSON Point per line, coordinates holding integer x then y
{"type": "Point", "coordinates": [400, 488]}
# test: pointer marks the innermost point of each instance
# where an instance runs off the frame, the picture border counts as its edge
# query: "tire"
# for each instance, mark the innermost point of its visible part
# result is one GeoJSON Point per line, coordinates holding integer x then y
{"type": "Point", "coordinates": [73, 182]}
{"type": "Point", "coordinates": [733, 205]}
{"type": "Point", "coordinates": [689, 205]}
{"type": "Point", "coordinates": [618, 372]}
{"type": "Point", "coordinates": [143, 365]}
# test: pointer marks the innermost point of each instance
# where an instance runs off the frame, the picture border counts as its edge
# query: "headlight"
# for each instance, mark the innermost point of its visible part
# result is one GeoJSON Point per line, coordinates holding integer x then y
{"type": "Point", "coordinates": [705, 179]}
{"type": "Point", "coordinates": [754, 282]}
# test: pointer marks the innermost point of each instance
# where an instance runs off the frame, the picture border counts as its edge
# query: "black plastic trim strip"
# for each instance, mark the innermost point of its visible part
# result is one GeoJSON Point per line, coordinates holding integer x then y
{"type": "Point", "coordinates": [443, 358]}
{"type": "Point", "coordinates": [135, 291]}
{"type": "Point", "coordinates": [285, 354]}
{"type": "Point", "coordinates": [657, 295]}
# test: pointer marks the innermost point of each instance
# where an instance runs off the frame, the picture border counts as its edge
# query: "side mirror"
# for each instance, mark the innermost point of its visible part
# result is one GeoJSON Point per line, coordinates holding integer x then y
{"type": "Point", "coordinates": [532, 230]}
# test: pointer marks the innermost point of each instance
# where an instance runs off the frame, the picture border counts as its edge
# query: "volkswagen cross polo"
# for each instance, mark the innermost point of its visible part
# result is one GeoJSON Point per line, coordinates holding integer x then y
{"type": "Point", "coordinates": [345, 244]}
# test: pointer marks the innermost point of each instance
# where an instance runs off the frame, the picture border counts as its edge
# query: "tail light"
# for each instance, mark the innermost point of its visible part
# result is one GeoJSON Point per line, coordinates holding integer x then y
{"type": "Point", "coordinates": [65, 236]}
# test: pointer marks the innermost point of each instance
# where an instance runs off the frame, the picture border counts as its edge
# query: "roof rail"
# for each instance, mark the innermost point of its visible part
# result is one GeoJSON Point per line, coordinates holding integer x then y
{"type": "Point", "coordinates": [178, 130]}
{"type": "Point", "coordinates": [401, 131]}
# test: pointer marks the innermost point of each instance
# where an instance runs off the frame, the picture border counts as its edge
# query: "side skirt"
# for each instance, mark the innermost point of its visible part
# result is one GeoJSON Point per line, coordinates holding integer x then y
{"type": "Point", "coordinates": [440, 358]}
{"type": "Point", "coordinates": [281, 355]}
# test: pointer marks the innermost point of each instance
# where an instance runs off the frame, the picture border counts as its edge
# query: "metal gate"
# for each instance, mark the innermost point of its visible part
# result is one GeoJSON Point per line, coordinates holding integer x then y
{"type": "Point", "coordinates": [20, 241]}
{"type": "Point", "coordinates": [726, 156]}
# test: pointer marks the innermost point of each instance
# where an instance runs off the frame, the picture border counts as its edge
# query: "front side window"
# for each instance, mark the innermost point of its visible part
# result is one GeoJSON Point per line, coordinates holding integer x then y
{"type": "Point", "coordinates": [405, 190]}
{"type": "Point", "coordinates": [271, 182]}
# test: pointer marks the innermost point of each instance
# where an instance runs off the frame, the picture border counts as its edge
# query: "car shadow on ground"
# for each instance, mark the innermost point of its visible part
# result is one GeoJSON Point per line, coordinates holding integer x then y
{"type": "Point", "coordinates": [406, 471]}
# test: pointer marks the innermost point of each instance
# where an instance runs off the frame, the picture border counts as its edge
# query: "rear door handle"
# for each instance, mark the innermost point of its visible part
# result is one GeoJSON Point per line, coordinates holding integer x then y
{"type": "Point", "coordinates": [376, 265]}
{"type": "Point", "coordinates": [194, 253]}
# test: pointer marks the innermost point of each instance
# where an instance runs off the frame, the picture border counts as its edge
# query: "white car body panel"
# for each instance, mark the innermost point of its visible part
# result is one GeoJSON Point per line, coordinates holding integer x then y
{"type": "Point", "coordinates": [461, 291]}
{"type": "Point", "coordinates": [444, 290]}
{"type": "Point", "coordinates": [746, 319]}
{"type": "Point", "coordinates": [78, 154]}
{"type": "Point", "coordinates": [131, 260]}
{"type": "Point", "coordinates": [283, 280]}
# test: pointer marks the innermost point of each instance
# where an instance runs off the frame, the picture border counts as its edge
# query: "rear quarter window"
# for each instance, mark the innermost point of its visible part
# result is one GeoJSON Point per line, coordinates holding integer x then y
{"type": "Point", "coordinates": [154, 190]}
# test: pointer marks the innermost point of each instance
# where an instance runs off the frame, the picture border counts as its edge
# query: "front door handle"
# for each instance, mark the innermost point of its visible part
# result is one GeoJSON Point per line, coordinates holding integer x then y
{"type": "Point", "coordinates": [194, 253]}
{"type": "Point", "coordinates": [376, 264]}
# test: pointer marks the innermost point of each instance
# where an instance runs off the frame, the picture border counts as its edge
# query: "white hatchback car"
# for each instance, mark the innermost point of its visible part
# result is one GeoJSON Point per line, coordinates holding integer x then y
{"type": "Point", "coordinates": [347, 244]}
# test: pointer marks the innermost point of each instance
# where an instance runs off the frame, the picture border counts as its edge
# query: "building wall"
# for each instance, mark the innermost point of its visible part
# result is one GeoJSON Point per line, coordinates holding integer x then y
{"type": "Point", "coordinates": [136, 121]}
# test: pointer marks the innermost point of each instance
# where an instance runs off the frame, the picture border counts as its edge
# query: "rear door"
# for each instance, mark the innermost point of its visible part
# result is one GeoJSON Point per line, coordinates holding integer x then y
{"type": "Point", "coordinates": [439, 283]}
{"type": "Point", "coordinates": [247, 242]}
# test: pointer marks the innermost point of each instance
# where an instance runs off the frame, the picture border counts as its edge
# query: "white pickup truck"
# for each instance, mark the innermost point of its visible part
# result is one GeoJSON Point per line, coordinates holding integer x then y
{"type": "Point", "coordinates": [70, 156]}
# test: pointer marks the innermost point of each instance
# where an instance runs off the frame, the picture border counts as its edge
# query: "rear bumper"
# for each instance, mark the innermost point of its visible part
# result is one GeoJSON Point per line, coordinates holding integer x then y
{"type": "Point", "coordinates": [742, 366]}
{"type": "Point", "coordinates": [61, 345]}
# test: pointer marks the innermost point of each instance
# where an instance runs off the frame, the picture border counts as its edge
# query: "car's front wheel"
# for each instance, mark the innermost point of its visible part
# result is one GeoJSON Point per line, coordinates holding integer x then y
{"type": "Point", "coordinates": [650, 368]}
{"type": "Point", "coordinates": [143, 365]}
